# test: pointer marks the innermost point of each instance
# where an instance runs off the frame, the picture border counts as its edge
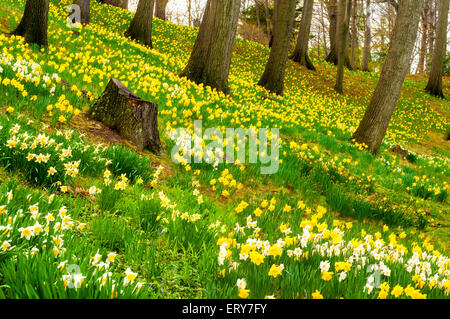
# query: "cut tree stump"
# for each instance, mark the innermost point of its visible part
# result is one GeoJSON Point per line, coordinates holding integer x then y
{"type": "Point", "coordinates": [123, 111]}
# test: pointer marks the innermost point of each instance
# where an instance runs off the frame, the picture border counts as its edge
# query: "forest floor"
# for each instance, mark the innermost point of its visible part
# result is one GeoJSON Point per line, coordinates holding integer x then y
{"type": "Point", "coordinates": [331, 222]}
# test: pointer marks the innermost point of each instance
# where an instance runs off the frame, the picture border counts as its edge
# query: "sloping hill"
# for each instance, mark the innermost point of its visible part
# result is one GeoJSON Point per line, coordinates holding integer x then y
{"type": "Point", "coordinates": [192, 230]}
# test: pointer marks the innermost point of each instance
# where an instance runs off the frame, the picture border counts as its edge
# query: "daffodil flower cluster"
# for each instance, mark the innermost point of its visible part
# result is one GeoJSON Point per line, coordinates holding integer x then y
{"type": "Point", "coordinates": [336, 256]}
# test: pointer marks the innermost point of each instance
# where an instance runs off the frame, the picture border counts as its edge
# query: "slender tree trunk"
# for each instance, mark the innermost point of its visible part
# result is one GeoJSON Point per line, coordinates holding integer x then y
{"type": "Point", "coordinates": [354, 42]}
{"type": "Point", "coordinates": [244, 31]}
{"type": "Point", "coordinates": [431, 30]}
{"type": "Point", "coordinates": [347, 62]}
{"type": "Point", "coordinates": [318, 41]}
{"type": "Point", "coordinates": [434, 86]}
{"type": "Point", "coordinates": [324, 37]}
{"type": "Point", "coordinates": [211, 56]}
{"type": "Point", "coordinates": [300, 53]}
{"type": "Point", "coordinates": [332, 17]}
{"type": "Point", "coordinates": [332, 57]}
{"type": "Point", "coordinates": [273, 76]}
{"type": "Point", "coordinates": [34, 24]}
{"type": "Point", "coordinates": [85, 8]}
{"type": "Point", "coordinates": [268, 19]}
{"type": "Point", "coordinates": [423, 41]}
{"type": "Point", "coordinates": [160, 10]}
{"type": "Point", "coordinates": [375, 122]}
{"type": "Point", "coordinates": [140, 28]}
{"type": "Point", "coordinates": [367, 38]}
{"type": "Point", "coordinates": [189, 13]}
{"type": "Point", "coordinates": [258, 19]}
{"type": "Point", "coordinates": [344, 13]}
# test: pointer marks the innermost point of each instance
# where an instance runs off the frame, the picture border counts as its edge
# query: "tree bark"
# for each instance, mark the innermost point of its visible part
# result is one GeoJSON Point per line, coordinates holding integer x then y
{"type": "Point", "coordinates": [332, 57]}
{"type": "Point", "coordinates": [273, 76]}
{"type": "Point", "coordinates": [268, 19]}
{"type": "Point", "coordinates": [318, 41]}
{"type": "Point", "coordinates": [375, 122]}
{"type": "Point", "coordinates": [140, 28]}
{"type": "Point", "coordinates": [423, 41]}
{"type": "Point", "coordinates": [354, 35]}
{"type": "Point", "coordinates": [332, 17]}
{"type": "Point", "coordinates": [344, 13]}
{"type": "Point", "coordinates": [85, 8]}
{"type": "Point", "coordinates": [211, 56]}
{"type": "Point", "coordinates": [160, 11]}
{"type": "Point", "coordinates": [258, 21]}
{"type": "Point", "coordinates": [367, 38]}
{"type": "Point", "coordinates": [135, 119]}
{"type": "Point", "coordinates": [431, 31]}
{"type": "Point", "coordinates": [434, 86]}
{"type": "Point", "coordinates": [189, 8]}
{"type": "Point", "coordinates": [34, 24]}
{"type": "Point", "coordinates": [324, 37]}
{"type": "Point", "coordinates": [300, 53]}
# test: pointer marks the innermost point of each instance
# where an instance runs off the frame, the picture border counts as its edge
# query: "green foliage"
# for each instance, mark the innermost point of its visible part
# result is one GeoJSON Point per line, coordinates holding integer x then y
{"type": "Point", "coordinates": [125, 161]}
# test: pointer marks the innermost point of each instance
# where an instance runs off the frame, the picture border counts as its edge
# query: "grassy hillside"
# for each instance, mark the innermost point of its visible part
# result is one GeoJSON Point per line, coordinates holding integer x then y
{"type": "Point", "coordinates": [329, 223]}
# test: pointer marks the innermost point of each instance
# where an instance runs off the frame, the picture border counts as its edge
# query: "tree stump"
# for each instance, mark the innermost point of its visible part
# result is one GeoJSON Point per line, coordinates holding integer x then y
{"type": "Point", "coordinates": [135, 119]}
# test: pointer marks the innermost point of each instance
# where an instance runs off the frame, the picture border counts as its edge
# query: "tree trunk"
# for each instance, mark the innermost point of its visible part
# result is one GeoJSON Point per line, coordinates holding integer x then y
{"type": "Point", "coordinates": [258, 21]}
{"type": "Point", "coordinates": [141, 27]}
{"type": "Point", "coordinates": [375, 122]}
{"type": "Point", "coordinates": [189, 8]}
{"type": "Point", "coordinates": [324, 37]}
{"type": "Point", "coordinates": [434, 86]}
{"type": "Point", "coordinates": [354, 42]}
{"type": "Point", "coordinates": [268, 19]}
{"type": "Point", "coordinates": [85, 10]}
{"type": "Point", "coordinates": [34, 24]}
{"type": "Point", "coordinates": [135, 119]}
{"type": "Point", "coordinates": [344, 13]}
{"type": "Point", "coordinates": [211, 56]}
{"type": "Point", "coordinates": [423, 41]}
{"type": "Point", "coordinates": [332, 17]}
{"type": "Point", "coordinates": [160, 11]}
{"type": "Point", "coordinates": [318, 41]}
{"type": "Point", "coordinates": [258, 18]}
{"type": "Point", "coordinates": [431, 30]}
{"type": "Point", "coordinates": [244, 29]}
{"type": "Point", "coordinates": [273, 76]}
{"type": "Point", "coordinates": [332, 57]}
{"type": "Point", "coordinates": [300, 53]}
{"type": "Point", "coordinates": [117, 3]}
{"type": "Point", "coordinates": [367, 38]}
{"type": "Point", "coordinates": [347, 62]}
